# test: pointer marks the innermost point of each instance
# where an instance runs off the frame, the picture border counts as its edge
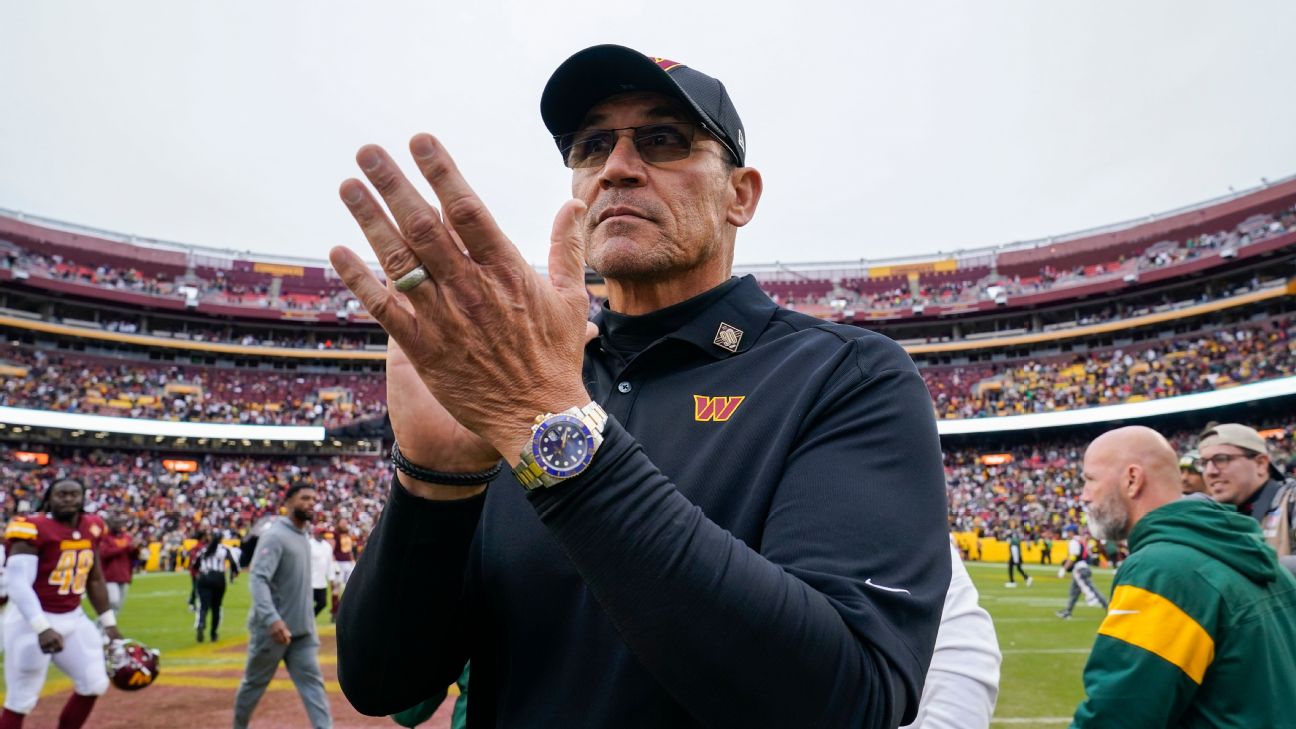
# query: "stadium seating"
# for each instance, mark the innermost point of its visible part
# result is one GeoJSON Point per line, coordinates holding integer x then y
{"type": "Point", "coordinates": [1033, 487]}
{"type": "Point", "coordinates": [1147, 370]}
{"type": "Point", "coordinates": [1113, 258]}
{"type": "Point", "coordinates": [66, 382]}
{"type": "Point", "coordinates": [1038, 489]}
{"type": "Point", "coordinates": [1144, 371]}
{"type": "Point", "coordinates": [229, 492]}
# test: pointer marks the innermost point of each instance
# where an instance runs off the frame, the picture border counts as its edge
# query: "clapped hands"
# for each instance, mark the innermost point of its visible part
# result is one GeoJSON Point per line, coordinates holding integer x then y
{"type": "Point", "coordinates": [480, 342]}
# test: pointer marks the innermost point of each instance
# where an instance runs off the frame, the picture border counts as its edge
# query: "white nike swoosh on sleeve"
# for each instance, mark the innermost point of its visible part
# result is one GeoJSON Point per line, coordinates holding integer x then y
{"type": "Point", "coordinates": [870, 583]}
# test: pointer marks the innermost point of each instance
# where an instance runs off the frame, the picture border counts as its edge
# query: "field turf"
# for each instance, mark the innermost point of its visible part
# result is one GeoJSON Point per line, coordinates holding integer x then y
{"type": "Point", "coordinates": [1039, 689]}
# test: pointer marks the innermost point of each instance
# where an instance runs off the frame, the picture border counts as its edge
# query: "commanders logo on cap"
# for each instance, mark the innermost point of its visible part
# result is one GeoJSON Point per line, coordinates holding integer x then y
{"type": "Point", "coordinates": [666, 64]}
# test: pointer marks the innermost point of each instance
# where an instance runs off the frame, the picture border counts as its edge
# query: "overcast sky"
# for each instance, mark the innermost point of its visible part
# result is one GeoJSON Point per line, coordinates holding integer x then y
{"type": "Point", "coordinates": [882, 129]}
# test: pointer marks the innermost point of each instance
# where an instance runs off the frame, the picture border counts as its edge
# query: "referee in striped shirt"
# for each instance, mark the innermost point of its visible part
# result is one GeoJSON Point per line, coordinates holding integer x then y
{"type": "Point", "coordinates": [212, 561]}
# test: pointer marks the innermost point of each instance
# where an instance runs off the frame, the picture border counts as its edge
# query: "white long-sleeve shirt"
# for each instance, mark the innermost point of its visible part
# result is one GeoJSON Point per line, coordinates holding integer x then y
{"type": "Point", "coordinates": [321, 563]}
{"type": "Point", "coordinates": [963, 680]}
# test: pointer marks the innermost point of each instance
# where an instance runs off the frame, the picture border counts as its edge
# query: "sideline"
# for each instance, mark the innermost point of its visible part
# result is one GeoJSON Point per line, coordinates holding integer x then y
{"type": "Point", "coordinates": [208, 666]}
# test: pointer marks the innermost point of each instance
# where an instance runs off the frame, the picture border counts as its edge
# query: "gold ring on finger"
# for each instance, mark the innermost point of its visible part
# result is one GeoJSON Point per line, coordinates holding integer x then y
{"type": "Point", "coordinates": [411, 279]}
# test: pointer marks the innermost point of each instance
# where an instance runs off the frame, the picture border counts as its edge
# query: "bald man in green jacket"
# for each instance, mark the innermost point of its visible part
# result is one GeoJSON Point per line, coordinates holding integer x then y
{"type": "Point", "coordinates": [1201, 631]}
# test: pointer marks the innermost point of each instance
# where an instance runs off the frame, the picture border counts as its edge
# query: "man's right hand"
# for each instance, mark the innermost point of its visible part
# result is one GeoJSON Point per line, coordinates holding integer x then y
{"type": "Point", "coordinates": [280, 633]}
{"type": "Point", "coordinates": [50, 641]}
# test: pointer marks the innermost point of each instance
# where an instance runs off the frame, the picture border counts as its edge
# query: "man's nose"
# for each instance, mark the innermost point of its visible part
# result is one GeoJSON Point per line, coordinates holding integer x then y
{"type": "Point", "coordinates": [624, 166]}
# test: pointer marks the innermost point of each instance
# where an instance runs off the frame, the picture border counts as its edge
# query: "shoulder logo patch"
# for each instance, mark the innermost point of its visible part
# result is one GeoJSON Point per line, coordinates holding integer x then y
{"type": "Point", "coordinates": [715, 409]}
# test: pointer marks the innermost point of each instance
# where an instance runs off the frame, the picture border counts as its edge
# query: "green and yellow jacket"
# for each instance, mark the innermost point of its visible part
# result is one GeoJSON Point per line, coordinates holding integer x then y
{"type": "Point", "coordinates": [1201, 631]}
{"type": "Point", "coordinates": [422, 711]}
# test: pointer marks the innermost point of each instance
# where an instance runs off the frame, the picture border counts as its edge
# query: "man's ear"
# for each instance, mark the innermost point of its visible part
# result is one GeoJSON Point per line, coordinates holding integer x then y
{"type": "Point", "coordinates": [1135, 480]}
{"type": "Point", "coordinates": [747, 186]}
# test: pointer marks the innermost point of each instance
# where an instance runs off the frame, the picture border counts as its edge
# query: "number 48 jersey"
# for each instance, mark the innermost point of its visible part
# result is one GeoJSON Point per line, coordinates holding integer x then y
{"type": "Point", "coordinates": [65, 555]}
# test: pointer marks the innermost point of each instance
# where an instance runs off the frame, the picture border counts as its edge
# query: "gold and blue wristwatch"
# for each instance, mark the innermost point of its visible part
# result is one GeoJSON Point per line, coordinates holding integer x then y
{"type": "Point", "coordinates": [562, 446]}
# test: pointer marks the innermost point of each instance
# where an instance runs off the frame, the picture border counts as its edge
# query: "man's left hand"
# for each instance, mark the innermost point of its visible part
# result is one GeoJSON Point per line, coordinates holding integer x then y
{"type": "Point", "coordinates": [494, 342]}
{"type": "Point", "coordinates": [113, 633]}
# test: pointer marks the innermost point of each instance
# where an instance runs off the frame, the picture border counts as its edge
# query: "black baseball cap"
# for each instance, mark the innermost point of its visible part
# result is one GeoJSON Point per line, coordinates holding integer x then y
{"type": "Point", "coordinates": [596, 73]}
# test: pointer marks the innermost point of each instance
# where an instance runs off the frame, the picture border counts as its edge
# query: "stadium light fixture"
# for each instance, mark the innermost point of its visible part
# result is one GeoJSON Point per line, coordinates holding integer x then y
{"type": "Point", "coordinates": [21, 417]}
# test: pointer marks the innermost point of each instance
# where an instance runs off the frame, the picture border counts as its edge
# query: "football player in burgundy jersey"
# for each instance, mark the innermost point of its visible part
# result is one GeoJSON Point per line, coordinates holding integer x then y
{"type": "Point", "coordinates": [53, 562]}
{"type": "Point", "coordinates": [344, 555]}
{"type": "Point", "coordinates": [115, 555]}
{"type": "Point", "coordinates": [4, 595]}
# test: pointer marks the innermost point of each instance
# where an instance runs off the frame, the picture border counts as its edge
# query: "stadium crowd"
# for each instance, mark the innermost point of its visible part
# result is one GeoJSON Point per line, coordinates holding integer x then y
{"type": "Point", "coordinates": [895, 293]}
{"type": "Point", "coordinates": [1036, 492]}
{"type": "Point", "coordinates": [67, 382]}
{"type": "Point", "coordinates": [1161, 254]}
{"type": "Point", "coordinates": [225, 492]}
{"type": "Point", "coordinates": [1145, 371]}
{"type": "Point", "coordinates": [1214, 358]}
{"type": "Point", "coordinates": [262, 338]}
{"type": "Point", "coordinates": [215, 289]}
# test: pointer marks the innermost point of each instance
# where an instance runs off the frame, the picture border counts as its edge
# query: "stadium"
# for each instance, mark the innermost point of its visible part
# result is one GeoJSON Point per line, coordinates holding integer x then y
{"type": "Point", "coordinates": [187, 386]}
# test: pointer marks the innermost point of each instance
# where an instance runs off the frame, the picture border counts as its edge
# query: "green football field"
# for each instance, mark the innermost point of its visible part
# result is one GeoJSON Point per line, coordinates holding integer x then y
{"type": "Point", "coordinates": [1043, 655]}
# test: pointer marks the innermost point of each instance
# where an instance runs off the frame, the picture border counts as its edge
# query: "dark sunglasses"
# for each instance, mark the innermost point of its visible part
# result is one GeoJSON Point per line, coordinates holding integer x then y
{"type": "Point", "coordinates": [660, 142]}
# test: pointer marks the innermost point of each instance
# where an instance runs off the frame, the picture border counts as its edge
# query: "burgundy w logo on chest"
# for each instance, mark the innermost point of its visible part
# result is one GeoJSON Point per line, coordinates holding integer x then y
{"type": "Point", "coordinates": [715, 409]}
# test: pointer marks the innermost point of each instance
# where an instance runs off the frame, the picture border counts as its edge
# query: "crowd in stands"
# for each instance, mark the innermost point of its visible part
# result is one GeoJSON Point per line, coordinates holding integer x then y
{"type": "Point", "coordinates": [1208, 360]}
{"type": "Point", "coordinates": [215, 288]}
{"type": "Point", "coordinates": [972, 289]}
{"type": "Point", "coordinates": [976, 284]}
{"type": "Point", "coordinates": [225, 492]}
{"type": "Point", "coordinates": [1151, 370]}
{"type": "Point", "coordinates": [264, 338]}
{"type": "Point", "coordinates": [1037, 493]}
{"type": "Point", "coordinates": [67, 382]}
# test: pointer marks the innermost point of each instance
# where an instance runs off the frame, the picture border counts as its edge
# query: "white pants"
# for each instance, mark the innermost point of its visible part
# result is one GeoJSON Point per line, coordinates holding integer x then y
{"type": "Point", "coordinates": [344, 575]}
{"type": "Point", "coordinates": [117, 595]}
{"type": "Point", "coordinates": [25, 666]}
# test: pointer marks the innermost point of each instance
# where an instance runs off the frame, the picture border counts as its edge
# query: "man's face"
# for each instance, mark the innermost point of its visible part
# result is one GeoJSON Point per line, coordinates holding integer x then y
{"type": "Point", "coordinates": [1232, 474]}
{"type": "Point", "coordinates": [1193, 482]}
{"type": "Point", "coordinates": [647, 221]}
{"type": "Point", "coordinates": [302, 505]}
{"type": "Point", "coordinates": [1103, 497]}
{"type": "Point", "coordinates": [66, 499]}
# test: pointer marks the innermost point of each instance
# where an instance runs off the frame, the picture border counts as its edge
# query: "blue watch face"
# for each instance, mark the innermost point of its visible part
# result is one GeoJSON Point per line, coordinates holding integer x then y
{"type": "Point", "coordinates": [562, 446]}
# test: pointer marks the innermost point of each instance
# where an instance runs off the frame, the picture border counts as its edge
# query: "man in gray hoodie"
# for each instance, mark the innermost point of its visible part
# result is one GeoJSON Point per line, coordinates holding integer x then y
{"type": "Point", "coordinates": [281, 625]}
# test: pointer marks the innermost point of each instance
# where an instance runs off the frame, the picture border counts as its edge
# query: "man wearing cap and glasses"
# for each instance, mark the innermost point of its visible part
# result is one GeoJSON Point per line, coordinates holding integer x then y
{"type": "Point", "coordinates": [1238, 471]}
{"type": "Point", "coordinates": [729, 513]}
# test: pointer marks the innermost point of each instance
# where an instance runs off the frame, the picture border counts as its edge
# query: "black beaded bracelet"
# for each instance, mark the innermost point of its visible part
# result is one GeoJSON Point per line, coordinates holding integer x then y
{"type": "Point", "coordinates": [442, 478]}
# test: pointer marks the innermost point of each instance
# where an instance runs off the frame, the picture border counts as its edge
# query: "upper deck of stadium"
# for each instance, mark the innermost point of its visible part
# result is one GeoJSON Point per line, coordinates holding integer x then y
{"type": "Point", "coordinates": [71, 259]}
{"type": "Point", "coordinates": [1195, 305]}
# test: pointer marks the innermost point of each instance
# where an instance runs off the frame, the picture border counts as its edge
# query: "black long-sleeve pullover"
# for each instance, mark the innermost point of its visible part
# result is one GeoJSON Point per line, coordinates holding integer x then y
{"type": "Point", "coordinates": [760, 541]}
